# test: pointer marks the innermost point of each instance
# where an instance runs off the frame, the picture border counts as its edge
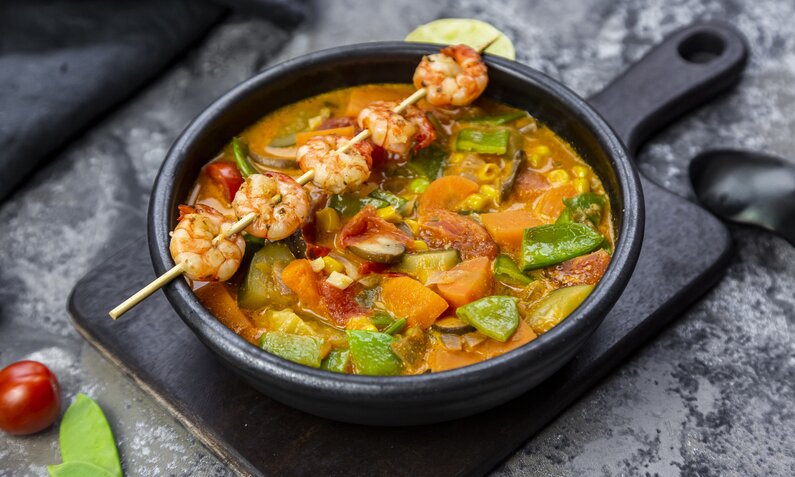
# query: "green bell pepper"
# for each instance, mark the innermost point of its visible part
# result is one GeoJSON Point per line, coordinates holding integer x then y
{"type": "Point", "coordinates": [483, 141]}
{"type": "Point", "coordinates": [241, 158]}
{"type": "Point", "coordinates": [588, 206]}
{"type": "Point", "coordinates": [495, 316]}
{"type": "Point", "coordinates": [371, 353]}
{"type": "Point", "coordinates": [506, 271]}
{"type": "Point", "coordinates": [304, 350]}
{"type": "Point", "coordinates": [261, 285]}
{"type": "Point", "coordinates": [555, 243]}
{"type": "Point", "coordinates": [337, 361]}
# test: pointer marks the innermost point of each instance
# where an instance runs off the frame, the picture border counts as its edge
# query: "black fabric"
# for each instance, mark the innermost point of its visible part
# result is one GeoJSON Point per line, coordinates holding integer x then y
{"type": "Point", "coordinates": [62, 64]}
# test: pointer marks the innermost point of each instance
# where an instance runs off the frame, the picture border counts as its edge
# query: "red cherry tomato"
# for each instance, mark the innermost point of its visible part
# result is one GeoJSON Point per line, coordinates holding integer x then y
{"type": "Point", "coordinates": [226, 175]}
{"type": "Point", "coordinates": [30, 397]}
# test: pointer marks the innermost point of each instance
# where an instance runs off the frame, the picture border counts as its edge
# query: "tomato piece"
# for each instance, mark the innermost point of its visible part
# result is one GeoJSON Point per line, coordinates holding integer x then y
{"type": "Point", "coordinates": [529, 185]}
{"type": "Point", "coordinates": [341, 304]}
{"type": "Point", "coordinates": [365, 225]}
{"type": "Point", "coordinates": [444, 229]}
{"type": "Point", "coordinates": [227, 176]}
{"type": "Point", "coordinates": [30, 397]}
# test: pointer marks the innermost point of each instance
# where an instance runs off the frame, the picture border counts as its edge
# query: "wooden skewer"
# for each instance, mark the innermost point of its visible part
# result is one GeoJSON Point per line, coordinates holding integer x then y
{"type": "Point", "coordinates": [249, 218]}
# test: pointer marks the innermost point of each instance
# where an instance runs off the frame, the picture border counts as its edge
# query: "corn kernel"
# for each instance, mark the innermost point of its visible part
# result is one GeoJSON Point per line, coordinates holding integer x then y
{"type": "Point", "coordinates": [537, 161]}
{"type": "Point", "coordinates": [581, 185]}
{"type": "Point", "coordinates": [389, 213]}
{"type": "Point", "coordinates": [558, 176]}
{"type": "Point", "coordinates": [420, 246]}
{"type": "Point", "coordinates": [413, 225]}
{"type": "Point", "coordinates": [361, 323]}
{"type": "Point", "coordinates": [580, 171]}
{"type": "Point", "coordinates": [542, 150]}
{"type": "Point", "coordinates": [330, 265]}
{"type": "Point", "coordinates": [490, 192]}
{"type": "Point", "coordinates": [488, 172]}
{"type": "Point", "coordinates": [456, 157]}
{"type": "Point", "coordinates": [473, 202]}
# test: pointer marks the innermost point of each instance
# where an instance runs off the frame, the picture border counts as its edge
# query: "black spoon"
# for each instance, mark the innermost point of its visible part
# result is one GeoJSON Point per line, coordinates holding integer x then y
{"type": "Point", "coordinates": [747, 187]}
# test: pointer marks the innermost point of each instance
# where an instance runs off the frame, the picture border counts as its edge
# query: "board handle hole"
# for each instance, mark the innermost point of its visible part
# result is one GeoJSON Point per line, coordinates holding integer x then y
{"type": "Point", "coordinates": [701, 47]}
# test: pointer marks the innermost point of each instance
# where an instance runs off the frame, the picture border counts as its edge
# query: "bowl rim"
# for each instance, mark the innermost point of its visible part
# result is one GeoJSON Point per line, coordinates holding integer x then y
{"type": "Point", "coordinates": [256, 360]}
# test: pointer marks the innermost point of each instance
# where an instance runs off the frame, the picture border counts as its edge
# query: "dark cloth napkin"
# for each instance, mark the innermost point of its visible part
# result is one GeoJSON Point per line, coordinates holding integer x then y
{"type": "Point", "coordinates": [62, 64]}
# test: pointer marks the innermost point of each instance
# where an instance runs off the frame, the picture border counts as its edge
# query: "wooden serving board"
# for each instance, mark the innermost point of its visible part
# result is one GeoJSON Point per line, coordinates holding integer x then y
{"type": "Point", "coordinates": [684, 252]}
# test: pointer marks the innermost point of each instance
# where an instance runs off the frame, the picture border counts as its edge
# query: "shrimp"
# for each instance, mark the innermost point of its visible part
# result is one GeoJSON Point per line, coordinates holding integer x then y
{"type": "Point", "coordinates": [397, 132]}
{"type": "Point", "coordinates": [456, 76]}
{"type": "Point", "coordinates": [277, 217]}
{"type": "Point", "coordinates": [335, 171]}
{"type": "Point", "coordinates": [192, 244]}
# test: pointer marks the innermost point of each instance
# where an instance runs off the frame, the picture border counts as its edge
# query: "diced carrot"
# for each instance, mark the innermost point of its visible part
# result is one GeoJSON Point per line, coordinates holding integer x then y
{"type": "Point", "coordinates": [550, 203]}
{"type": "Point", "coordinates": [364, 95]}
{"type": "Point", "coordinates": [218, 299]}
{"type": "Point", "coordinates": [410, 299]}
{"type": "Point", "coordinates": [506, 228]}
{"type": "Point", "coordinates": [302, 137]}
{"type": "Point", "coordinates": [446, 192]}
{"type": "Point", "coordinates": [491, 348]}
{"type": "Point", "coordinates": [442, 359]}
{"type": "Point", "coordinates": [469, 280]}
{"type": "Point", "coordinates": [303, 281]}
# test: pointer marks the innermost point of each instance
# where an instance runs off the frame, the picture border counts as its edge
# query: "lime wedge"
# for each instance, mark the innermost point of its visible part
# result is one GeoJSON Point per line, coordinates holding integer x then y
{"type": "Point", "coordinates": [453, 31]}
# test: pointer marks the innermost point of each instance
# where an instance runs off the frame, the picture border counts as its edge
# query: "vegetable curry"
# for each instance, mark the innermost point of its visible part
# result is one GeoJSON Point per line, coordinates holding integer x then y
{"type": "Point", "coordinates": [450, 254]}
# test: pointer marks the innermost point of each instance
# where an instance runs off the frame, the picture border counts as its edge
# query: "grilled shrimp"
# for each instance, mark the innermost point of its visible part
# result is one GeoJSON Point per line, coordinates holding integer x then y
{"type": "Point", "coordinates": [456, 76]}
{"type": "Point", "coordinates": [277, 218]}
{"type": "Point", "coordinates": [397, 132]}
{"type": "Point", "coordinates": [192, 244]}
{"type": "Point", "coordinates": [335, 171]}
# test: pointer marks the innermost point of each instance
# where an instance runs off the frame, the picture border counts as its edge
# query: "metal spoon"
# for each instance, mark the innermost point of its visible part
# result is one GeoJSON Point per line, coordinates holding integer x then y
{"type": "Point", "coordinates": [747, 187]}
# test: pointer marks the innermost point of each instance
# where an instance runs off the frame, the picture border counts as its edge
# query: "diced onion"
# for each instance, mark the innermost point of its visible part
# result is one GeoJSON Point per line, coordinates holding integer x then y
{"type": "Point", "coordinates": [339, 280]}
{"type": "Point", "coordinates": [317, 264]}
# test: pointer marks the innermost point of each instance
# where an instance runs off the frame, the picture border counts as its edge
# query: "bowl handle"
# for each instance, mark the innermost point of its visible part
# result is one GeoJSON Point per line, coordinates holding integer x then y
{"type": "Point", "coordinates": [689, 67]}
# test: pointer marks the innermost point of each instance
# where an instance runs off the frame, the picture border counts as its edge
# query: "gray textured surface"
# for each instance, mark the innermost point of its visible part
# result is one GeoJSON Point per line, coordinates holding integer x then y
{"type": "Point", "coordinates": [713, 395]}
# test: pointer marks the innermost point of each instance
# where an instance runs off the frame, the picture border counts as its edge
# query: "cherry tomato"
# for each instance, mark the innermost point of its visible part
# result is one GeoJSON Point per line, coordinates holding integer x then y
{"type": "Point", "coordinates": [30, 397]}
{"type": "Point", "coordinates": [226, 175]}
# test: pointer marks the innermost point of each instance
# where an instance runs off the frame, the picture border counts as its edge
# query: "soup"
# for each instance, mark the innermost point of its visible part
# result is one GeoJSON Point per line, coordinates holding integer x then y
{"type": "Point", "coordinates": [482, 235]}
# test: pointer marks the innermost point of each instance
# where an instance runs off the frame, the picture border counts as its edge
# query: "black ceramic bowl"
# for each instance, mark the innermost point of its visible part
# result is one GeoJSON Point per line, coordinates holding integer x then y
{"type": "Point", "coordinates": [400, 400]}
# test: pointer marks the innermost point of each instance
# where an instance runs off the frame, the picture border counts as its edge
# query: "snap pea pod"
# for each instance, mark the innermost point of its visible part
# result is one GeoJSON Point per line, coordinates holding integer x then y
{"type": "Point", "coordinates": [551, 244]}
{"type": "Point", "coordinates": [495, 316]}
{"type": "Point", "coordinates": [241, 158]}
{"type": "Point", "coordinates": [77, 469]}
{"type": "Point", "coordinates": [299, 349]}
{"type": "Point", "coordinates": [371, 353]}
{"type": "Point", "coordinates": [506, 271]}
{"type": "Point", "coordinates": [483, 141]}
{"type": "Point", "coordinates": [588, 206]}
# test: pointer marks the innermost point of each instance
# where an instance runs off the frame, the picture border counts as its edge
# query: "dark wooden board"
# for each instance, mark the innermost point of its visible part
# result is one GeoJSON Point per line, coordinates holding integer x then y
{"type": "Point", "coordinates": [683, 255]}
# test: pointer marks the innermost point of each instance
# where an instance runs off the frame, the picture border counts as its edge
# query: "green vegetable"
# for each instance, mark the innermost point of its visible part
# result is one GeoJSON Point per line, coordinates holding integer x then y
{"type": "Point", "coordinates": [564, 217]}
{"type": "Point", "coordinates": [506, 271]}
{"type": "Point", "coordinates": [396, 327]}
{"type": "Point", "coordinates": [241, 158]}
{"type": "Point", "coordinates": [419, 264]}
{"type": "Point", "coordinates": [372, 354]}
{"type": "Point", "coordinates": [395, 201]}
{"type": "Point", "coordinates": [382, 320]}
{"type": "Point", "coordinates": [348, 204]}
{"type": "Point", "coordinates": [253, 241]}
{"type": "Point", "coordinates": [429, 162]}
{"type": "Point", "coordinates": [262, 285]}
{"type": "Point", "coordinates": [78, 469]}
{"type": "Point", "coordinates": [588, 206]}
{"type": "Point", "coordinates": [304, 350]}
{"type": "Point", "coordinates": [555, 243]}
{"type": "Point", "coordinates": [86, 442]}
{"type": "Point", "coordinates": [483, 141]}
{"type": "Point", "coordinates": [556, 306]}
{"type": "Point", "coordinates": [497, 119]}
{"type": "Point", "coordinates": [418, 185]}
{"type": "Point", "coordinates": [495, 316]}
{"type": "Point", "coordinates": [337, 361]}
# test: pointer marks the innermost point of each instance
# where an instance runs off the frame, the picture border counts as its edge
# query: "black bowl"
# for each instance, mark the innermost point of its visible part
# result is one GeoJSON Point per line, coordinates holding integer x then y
{"type": "Point", "coordinates": [399, 400]}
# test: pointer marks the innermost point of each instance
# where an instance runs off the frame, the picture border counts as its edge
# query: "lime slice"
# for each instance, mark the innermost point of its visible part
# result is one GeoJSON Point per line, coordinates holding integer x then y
{"type": "Point", "coordinates": [453, 31]}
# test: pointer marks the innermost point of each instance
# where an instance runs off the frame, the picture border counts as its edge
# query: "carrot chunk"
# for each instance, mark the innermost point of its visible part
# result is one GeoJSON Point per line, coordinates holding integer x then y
{"type": "Point", "coordinates": [466, 282]}
{"type": "Point", "coordinates": [445, 193]}
{"type": "Point", "coordinates": [303, 281]}
{"type": "Point", "coordinates": [506, 228]}
{"type": "Point", "coordinates": [410, 299]}
{"type": "Point", "coordinates": [218, 299]}
{"type": "Point", "coordinates": [550, 203]}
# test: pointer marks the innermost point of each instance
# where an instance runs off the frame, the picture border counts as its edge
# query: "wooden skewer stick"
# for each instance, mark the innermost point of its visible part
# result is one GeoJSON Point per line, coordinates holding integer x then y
{"type": "Point", "coordinates": [249, 218]}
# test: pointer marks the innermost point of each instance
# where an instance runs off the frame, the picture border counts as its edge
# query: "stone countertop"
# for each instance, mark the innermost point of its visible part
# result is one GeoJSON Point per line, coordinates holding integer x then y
{"type": "Point", "coordinates": [713, 394]}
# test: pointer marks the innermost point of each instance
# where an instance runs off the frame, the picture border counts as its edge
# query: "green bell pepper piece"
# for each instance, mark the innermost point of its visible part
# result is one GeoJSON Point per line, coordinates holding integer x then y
{"type": "Point", "coordinates": [495, 316]}
{"type": "Point", "coordinates": [588, 206]}
{"type": "Point", "coordinates": [372, 354]}
{"type": "Point", "coordinates": [506, 271]}
{"type": "Point", "coordinates": [337, 361]}
{"type": "Point", "coordinates": [241, 158]}
{"type": "Point", "coordinates": [497, 119]}
{"type": "Point", "coordinates": [418, 185]}
{"type": "Point", "coordinates": [299, 349]}
{"type": "Point", "coordinates": [483, 141]}
{"type": "Point", "coordinates": [391, 199]}
{"type": "Point", "coordinates": [428, 162]}
{"type": "Point", "coordinates": [555, 243]}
